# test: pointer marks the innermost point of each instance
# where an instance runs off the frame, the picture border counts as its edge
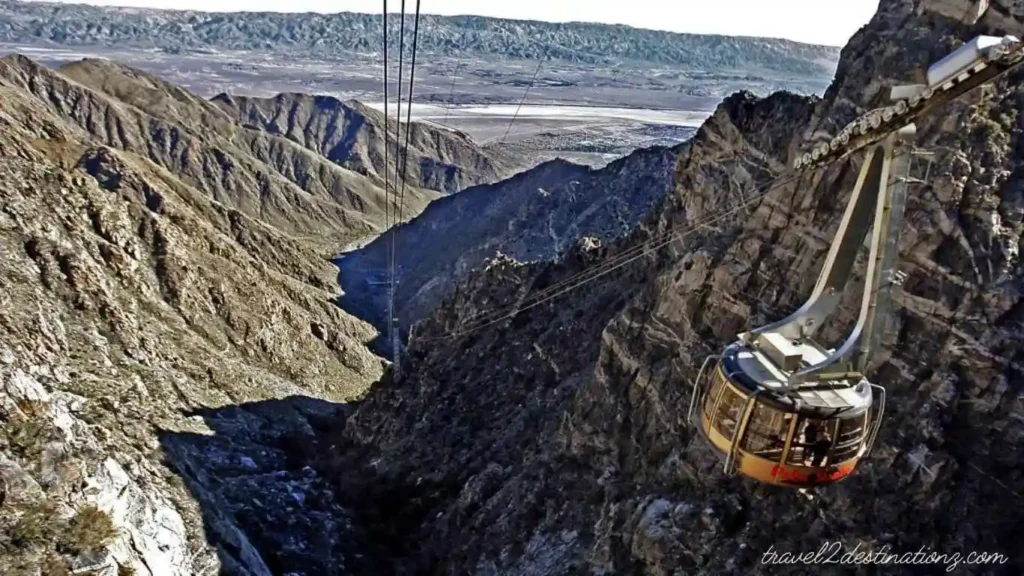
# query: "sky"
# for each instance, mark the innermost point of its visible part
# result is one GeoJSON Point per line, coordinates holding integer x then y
{"type": "Point", "coordinates": [829, 22]}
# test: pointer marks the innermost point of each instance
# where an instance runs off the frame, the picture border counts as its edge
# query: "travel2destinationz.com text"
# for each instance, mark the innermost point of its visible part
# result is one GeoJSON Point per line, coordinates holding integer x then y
{"type": "Point", "coordinates": [837, 553]}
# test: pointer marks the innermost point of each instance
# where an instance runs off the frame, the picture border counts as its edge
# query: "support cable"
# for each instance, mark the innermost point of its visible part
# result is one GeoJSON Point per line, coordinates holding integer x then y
{"type": "Point", "coordinates": [868, 129]}
{"type": "Point", "coordinates": [387, 172]}
{"type": "Point", "coordinates": [394, 223]}
{"type": "Point", "coordinates": [408, 114]}
{"type": "Point", "coordinates": [620, 260]}
{"type": "Point", "coordinates": [393, 319]}
{"type": "Point", "coordinates": [451, 91]}
{"type": "Point", "coordinates": [523, 99]}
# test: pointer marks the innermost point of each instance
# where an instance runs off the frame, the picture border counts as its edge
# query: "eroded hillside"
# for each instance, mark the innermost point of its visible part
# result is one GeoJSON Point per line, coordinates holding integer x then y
{"type": "Point", "coordinates": [164, 296]}
{"type": "Point", "coordinates": [169, 330]}
{"type": "Point", "coordinates": [275, 177]}
{"type": "Point", "coordinates": [352, 135]}
{"type": "Point", "coordinates": [554, 442]}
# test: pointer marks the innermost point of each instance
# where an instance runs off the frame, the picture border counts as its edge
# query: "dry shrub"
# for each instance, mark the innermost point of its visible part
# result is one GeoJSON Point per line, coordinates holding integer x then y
{"type": "Point", "coordinates": [89, 529]}
{"type": "Point", "coordinates": [39, 526]}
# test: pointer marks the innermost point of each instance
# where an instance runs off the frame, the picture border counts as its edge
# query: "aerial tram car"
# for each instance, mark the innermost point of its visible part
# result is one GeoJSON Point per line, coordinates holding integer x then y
{"type": "Point", "coordinates": [781, 408]}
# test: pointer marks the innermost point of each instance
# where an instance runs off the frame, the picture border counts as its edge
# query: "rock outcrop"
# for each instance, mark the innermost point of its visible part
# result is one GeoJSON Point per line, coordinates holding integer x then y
{"type": "Point", "coordinates": [164, 297]}
{"type": "Point", "coordinates": [553, 441]}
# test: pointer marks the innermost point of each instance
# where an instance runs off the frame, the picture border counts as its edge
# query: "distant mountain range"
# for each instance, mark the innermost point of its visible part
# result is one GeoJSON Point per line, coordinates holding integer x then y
{"type": "Point", "coordinates": [335, 35]}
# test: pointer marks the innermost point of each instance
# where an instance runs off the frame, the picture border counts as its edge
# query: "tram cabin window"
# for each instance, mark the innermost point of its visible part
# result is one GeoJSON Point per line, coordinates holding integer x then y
{"type": "Point", "coordinates": [827, 442]}
{"type": "Point", "coordinates": [849, 438]}
{"type": "Point", "coordinates": [766, 432]}
{"type": "Point", "coordinates": [730, 410]}
{"type": "Point", "coordinates": [717, 385]}
{"type": "Point", "coordinates": [812, 441]}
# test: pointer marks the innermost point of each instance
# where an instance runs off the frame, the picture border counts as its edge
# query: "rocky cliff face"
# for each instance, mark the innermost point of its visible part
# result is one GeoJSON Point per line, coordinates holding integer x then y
{"type": "Point", "coordinates": [169, 335]}
{"type": "Point", "coordinates": [535, 216]}
{"type": "Point", "coordinates": [554, 441]}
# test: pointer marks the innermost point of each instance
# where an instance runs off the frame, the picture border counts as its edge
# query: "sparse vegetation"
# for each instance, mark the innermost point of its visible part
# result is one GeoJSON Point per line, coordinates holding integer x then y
{"type": "Point", "coordinates": [131, 360]}
{"type": "Point", "coordinates": [38, 535]}
{"type": "Point", "coordinates": [55, 565]}
{"type": "Point", "coordinates": [25, 436]}
{"type": "Point", "coordinates": [89, 529]}
{"type": "Point", "coordinates": [38, 526]}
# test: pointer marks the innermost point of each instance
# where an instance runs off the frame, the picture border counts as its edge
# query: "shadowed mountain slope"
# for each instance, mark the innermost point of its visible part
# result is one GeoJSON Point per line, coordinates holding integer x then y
{"type": "Point", "coordinates": [538, 215]}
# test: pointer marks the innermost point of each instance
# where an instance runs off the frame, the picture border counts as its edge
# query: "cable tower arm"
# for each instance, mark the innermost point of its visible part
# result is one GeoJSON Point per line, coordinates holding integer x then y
{"type": "Point", "coordinates": [871, 207]}
{"type": "Point", "coordinates": [979, 61]}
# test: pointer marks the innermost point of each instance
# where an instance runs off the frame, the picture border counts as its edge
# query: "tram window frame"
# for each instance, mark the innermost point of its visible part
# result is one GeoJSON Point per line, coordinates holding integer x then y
{"type": "Point", "coordinates": [839, 454]}
{"type": "Point", "coordinates": [730, 399]}
{"type": "Point", "coordinates": [766, 432]}
{"type": "Point", "coordinates": [714, 391]}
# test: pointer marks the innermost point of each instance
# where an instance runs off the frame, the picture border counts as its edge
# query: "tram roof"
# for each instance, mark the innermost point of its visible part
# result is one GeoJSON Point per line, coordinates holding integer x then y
{"type": "Point", "coordinates": [760, 372]}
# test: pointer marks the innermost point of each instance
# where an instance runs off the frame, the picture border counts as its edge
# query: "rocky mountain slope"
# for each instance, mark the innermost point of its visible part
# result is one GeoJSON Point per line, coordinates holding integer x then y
{"type": "Point", "coordinates": [331, 36]}
{"type": "Point", "coordinates": [157, 318]}
{"type": "Point", "coordinates": [535, 216]}
{"type": "Point", "coordinates": [275, 177]}
{"type": "Point", "coordinates": [352, 135]}
{"type": "Point", "coordinates": [554, 442]}
{"type": "Point", "coordinates": [169, 334]}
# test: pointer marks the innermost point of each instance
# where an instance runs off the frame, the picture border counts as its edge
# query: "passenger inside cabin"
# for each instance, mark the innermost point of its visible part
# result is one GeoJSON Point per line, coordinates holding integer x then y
{"type": "Point", "coordinates": [810, 433]}
{"type": "Point", "coordinates": [810, 437]}
{"type": "Point", "coordinates": [820, 447]}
